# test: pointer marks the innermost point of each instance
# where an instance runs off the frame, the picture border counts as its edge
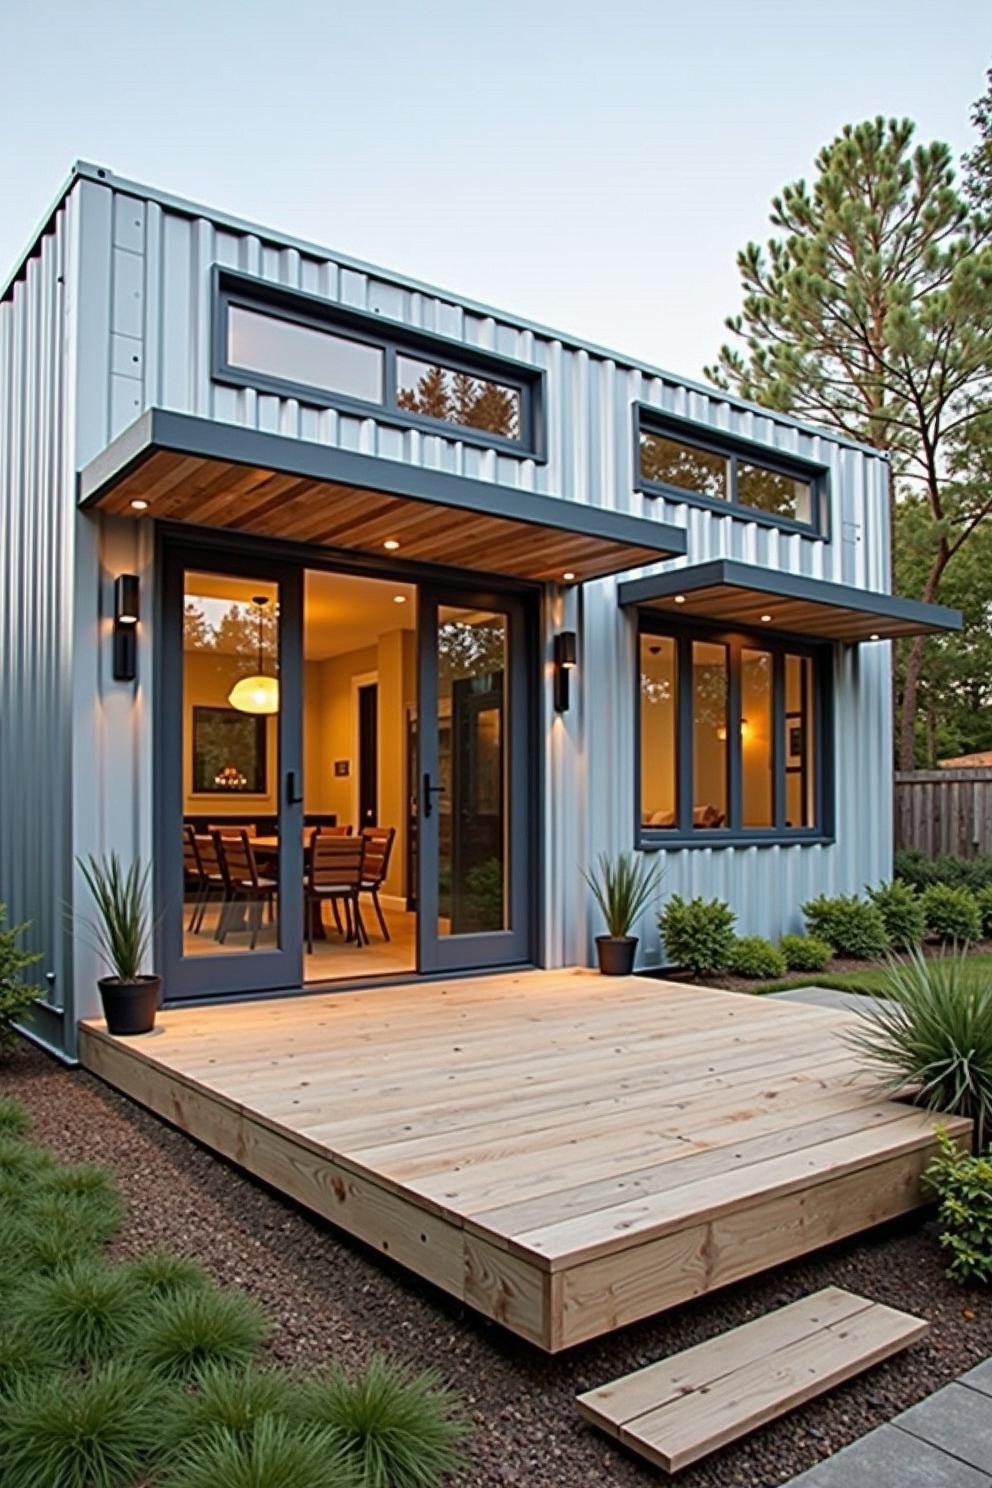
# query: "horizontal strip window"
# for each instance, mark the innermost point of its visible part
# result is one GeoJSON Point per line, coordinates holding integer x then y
{"type": "Point", "coordinates": [300, 346]}
{"type": "Point", "coordinates": [732, 737]}
{"type": "Point", "coordinates": [676, 458]}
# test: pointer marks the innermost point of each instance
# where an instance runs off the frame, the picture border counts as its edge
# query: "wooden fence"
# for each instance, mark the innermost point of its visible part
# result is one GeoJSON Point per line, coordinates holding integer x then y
{"type": "Point", "coordinates": [944, 811]}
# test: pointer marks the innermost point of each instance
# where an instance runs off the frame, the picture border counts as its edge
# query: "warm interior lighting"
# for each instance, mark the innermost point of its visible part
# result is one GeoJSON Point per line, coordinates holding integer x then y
{"type": "Point", "coordinates": [721, 731]}
{"type": "Point", "coordinates": [390, 545]}
{"type": "Point", "coordinates": [873, 636]}
{"type": "Point", "coordinates": [399, 599]}
{"type": "Point", "coordinates": [568, 576]}
{"type": "Point", "coordinates": [765, 619]}
{"type": "Point", "coordinates": [258, 693]}
{"type": "Point", "coordinates": [138, 505]}
{"type": "Point", "coordinates": [680, 599]}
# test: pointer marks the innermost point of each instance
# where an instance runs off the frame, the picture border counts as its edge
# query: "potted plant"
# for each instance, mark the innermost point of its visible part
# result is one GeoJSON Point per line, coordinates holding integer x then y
{"type": "Point", "coordinates": [122, 933]}
{"type": "Point", "coordinates": [622, 887]}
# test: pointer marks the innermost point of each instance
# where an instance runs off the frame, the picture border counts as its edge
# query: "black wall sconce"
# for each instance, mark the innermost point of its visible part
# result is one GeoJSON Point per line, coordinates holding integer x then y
{"type": "Point", "coordinates": [126, 616]}
{"type": "Point", "coordinates": [565, 659]}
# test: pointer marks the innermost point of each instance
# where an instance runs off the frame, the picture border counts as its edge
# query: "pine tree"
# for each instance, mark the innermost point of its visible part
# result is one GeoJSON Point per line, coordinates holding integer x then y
{"type": "Point", "coordinates": [431, 396]}
{"type": "Point", "coordinates": [869, 312]}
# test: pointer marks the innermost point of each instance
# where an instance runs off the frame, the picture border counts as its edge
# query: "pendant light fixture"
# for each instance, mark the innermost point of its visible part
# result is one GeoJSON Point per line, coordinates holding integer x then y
{"type": "Point", "coordinates": [258, 693]}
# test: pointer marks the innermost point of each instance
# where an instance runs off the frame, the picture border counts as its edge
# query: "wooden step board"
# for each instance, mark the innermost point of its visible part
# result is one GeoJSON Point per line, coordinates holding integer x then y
{"type": "Point", "coordinates": [678, 1410]}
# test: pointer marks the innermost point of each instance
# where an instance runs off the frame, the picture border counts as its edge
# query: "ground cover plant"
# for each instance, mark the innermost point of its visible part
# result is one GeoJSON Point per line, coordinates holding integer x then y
{"type": "Point", "coordinates": [143, 1374]}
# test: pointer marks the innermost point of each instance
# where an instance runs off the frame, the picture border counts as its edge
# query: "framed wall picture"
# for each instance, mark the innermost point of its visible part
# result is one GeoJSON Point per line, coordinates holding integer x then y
{"type": "Point", "coordinates": [229, 752]}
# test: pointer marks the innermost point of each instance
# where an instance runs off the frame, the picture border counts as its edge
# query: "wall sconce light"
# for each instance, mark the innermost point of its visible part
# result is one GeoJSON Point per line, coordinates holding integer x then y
{"type": "Point", "coordinates": [126, 616]}
{"type": "Point", "coordinates": [565, 660]}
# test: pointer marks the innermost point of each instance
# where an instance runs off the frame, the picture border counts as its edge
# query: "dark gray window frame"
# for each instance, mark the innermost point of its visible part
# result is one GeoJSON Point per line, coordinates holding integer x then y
{"type": "Point", "coordinates": [648, 420]}
{"type": "Point", "coordinates": [394, 340]}
{"type": "Point", "coordinates": [658, 839]}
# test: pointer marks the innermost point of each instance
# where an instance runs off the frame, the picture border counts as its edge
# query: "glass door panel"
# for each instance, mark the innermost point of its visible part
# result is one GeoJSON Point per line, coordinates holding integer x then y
{"type": "Point", "coordinates": [230, 771]}
{"type": "Point", "coordinates": [474, 808]}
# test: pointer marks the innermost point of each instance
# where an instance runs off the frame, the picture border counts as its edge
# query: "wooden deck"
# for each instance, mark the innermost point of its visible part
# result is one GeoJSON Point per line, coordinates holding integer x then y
{"type": "Point", "coordinates": [564, 1152]}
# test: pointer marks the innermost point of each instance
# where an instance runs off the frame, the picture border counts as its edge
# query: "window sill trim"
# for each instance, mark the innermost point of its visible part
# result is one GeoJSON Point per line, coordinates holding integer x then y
{"type": "Point", "coordinates": [655, 490]}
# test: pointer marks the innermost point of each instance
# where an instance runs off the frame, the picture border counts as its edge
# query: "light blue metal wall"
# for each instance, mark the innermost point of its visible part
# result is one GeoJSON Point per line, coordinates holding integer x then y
{"type": "Point", "coordinates": [147, 344]}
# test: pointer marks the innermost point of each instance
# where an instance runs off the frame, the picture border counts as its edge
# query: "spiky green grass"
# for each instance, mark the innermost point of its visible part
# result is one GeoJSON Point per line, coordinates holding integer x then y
{"type": "Point", "coordinates": [397, 1429]}
{"type": "Point", "coordinates": [95, 1216]}
{"type": "Point", "coordinates": [933, 1033]}
{"type": "Point", "coordinates": [161, 1275]}
{"type": "Point", "coordinates": [84, 1312]}
{"type": "Point", "coordinates": [21, 1163]}
{"type": "Point", "coordinates": [14, 1119]}
{"type": "Point", "coordinates": [22, 1356]}
{"type": "Point", "coordinates": [98, 1431]}
{"type": "Point", "coordinates": [183, 1333]}
{"type": "Point", "coordinates": [278, 1454]}
{"type": "Point", "coordinates": [235, 1399]}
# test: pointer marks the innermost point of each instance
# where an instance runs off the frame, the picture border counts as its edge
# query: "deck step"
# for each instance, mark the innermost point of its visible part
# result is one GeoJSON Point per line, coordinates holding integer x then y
{"type": "Point", "coordinates": [682, 1408]}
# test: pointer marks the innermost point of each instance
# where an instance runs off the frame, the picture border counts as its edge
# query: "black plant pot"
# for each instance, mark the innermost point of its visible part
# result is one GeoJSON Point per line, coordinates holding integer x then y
{"type": "Point", "coordinates": [130, 1007]}
{"type": "Point", "coordinates": [616, 954]}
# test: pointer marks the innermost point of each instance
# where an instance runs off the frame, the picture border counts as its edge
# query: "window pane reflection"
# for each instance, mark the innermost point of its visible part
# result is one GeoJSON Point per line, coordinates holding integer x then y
{"type": "Point", "coordinates": [672, 463]}
{"type": "Point", "coordinates": [709, 734]}
{"type": "Point", "coordinates": [799, 762]}
{"type": "Point", "coordinates": [304, 354]}
{"type": "Point", "coordinates": [456, 397]}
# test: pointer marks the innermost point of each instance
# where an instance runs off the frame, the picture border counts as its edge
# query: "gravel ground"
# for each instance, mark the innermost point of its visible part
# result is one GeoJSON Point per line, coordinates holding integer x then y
{"type": "Point", "coordinates": [330, 1299]}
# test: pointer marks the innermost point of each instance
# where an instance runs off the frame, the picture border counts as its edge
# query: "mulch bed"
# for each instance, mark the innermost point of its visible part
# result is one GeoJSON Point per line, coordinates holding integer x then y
{"type": "Point", "coordinates": [331, 1299]}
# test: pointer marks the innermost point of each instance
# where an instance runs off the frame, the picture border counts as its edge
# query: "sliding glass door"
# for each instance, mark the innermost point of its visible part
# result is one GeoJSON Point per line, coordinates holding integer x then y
{"type": "Point", "coordinates": [229, 868]}
{"type": "Point", "coordinates": [474, 782]}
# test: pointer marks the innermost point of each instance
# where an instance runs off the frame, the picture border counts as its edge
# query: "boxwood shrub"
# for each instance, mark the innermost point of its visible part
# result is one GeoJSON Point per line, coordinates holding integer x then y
{"type": "Point", "coordinates": [952, 914]}
{"type": "Point", "coordinates": [902, 911]}
{"type": "Point", "coordinates": [756, 958]}
{"type": "Point", "coordinates": [698, 933]}
{"type": "Point", "coordinates": [851, 926]}
{"type": "Point", "coordinates": [804, 952]}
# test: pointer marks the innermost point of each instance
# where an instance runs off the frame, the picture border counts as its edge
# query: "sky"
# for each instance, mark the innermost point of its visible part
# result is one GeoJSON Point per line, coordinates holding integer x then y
{"type": "Point", "coordinates": [594, 167]}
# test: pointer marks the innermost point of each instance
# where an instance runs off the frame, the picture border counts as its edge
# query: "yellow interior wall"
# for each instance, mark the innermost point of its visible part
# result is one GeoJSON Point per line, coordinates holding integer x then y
{"type": "Point", "coordinates": [207, 680]}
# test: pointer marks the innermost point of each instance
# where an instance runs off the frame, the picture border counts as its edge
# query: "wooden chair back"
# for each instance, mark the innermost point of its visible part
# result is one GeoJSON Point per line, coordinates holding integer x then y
{"type": "Point", "coordinates": [210, 862]}
{"type": "Point", "coordinates": [192, 867]}
{"type": "Point", "coordinates": [232, 829]}
{"type": "Point", "coordinates": [332, 831]}
{"type": "Point", "coordinates": [237, 859]}
{"type": "Point", "coordinates": [378, 849]}
{"type": "Point", "coordinates": [334, 863]}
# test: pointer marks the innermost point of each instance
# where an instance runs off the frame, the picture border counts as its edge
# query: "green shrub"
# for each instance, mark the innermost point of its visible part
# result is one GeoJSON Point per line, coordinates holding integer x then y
{"type": "Point", "coordinates": [933, 1031]}
{"type": "Point", "coordinates": [914, 867]}
{"type": "Point", "coordinates": [396, 1429]}
{"type": "Point", "coordinates": [94, 1431]}
{"type": "Point", "coordinates": [278, 1454]}
{"type": "Point", "coordinates": [16, 996]}
{"type": "Point", "coordinates": [754, 957]}
{"type": "Point", "coordinates": [698, 933]}
{"type": "Point", "coordinates": [963, 1186]}
{"type": "Point", "coordinates": [22, 1355]}
{"type": "Point", "coordinates": [952, 914]}
{"type": "Point", "coordinates": [235, 1399]}
{"type": "Point", "coordinates": [14, 1119]}
{"type": "Point", "coordinates": [84, 1312]}
{"type": "Point", "coordinates": [902, 912]}
{"type": "Point", "coordinates": [983, 898]}
{"type": "Point", "coordinates": [183, 1332]}
{"type": "Point", "coordinates": [160, 1274]}
{"type": "Point", "coordinates": [804, 952]}
{"type": "Point", "coordinates": [851, 926]}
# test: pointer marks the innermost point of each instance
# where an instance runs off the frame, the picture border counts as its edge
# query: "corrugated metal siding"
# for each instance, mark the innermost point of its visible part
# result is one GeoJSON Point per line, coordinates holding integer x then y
{"type": "Point", "coordinates": [156, 352]}
{"type": "Point", "coordinates": [37, 523]}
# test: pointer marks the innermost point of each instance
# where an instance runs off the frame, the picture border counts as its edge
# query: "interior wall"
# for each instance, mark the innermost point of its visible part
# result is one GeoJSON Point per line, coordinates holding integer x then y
{"type": "Point", "coordinates": [207, 680]}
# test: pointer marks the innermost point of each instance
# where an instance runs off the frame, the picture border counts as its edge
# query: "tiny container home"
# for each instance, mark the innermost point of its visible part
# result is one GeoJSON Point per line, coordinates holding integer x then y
{"type": "Point", "coordinates": [296, 546]}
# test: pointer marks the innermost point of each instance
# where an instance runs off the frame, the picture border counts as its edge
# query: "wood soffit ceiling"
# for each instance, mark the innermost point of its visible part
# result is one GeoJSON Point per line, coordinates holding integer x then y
{"type": "Point", "coordinates": [217, 493]}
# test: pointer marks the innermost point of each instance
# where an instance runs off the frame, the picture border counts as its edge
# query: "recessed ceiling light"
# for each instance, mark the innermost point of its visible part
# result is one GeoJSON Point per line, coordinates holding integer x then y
{"type": "Point", "coordinates": [568, 576]}
{"type": "Point", "coordinates": [765, 619]}
{"type": "Point", "coordinates": [873, 637]}
{"type": "Point", "coordinates": [138, 505]}
{"type": "Point", "coordinates": [390, 545]}
{"type": "Point", "coordinates": [680, 599]}
{"type": "Point", "coordinates": [399, 599]}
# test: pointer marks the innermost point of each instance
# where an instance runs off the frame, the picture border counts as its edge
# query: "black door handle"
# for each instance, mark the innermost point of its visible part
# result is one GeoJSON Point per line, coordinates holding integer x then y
{"type": "Point", "coordinates": [293, 794]}
{"type": "Point", "coordinates": [430, 791]}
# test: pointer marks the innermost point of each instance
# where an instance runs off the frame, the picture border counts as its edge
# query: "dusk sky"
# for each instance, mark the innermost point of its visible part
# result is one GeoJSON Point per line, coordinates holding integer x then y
{"type": "Point", "coordinates": [593, 167]}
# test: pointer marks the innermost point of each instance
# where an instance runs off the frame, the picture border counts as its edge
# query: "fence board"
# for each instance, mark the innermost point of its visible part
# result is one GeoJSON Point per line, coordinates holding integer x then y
{"type": "Point", "coordinates": [944, 811]}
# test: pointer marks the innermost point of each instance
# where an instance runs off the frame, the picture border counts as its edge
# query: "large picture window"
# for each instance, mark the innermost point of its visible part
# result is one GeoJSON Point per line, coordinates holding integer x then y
{"type": "Point", "coordinates": [731, 732]}
{"type": "Point", "coordinates": [682, 460]}
{"type": "Point", "coordinates": [298, 345]}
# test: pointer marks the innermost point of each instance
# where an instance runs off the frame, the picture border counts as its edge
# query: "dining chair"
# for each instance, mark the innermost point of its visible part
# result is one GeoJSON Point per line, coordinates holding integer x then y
{"type": "Point", "coordinates": [214, 881]}
{"type": "Point", "coordinates": [375, 866]}
{"type": "Point", "coordinates": [335, 831]}
{"type": "Point", "coordinates": [193, 876]}
{"type": "Point", "coordinates": [231, 829]}
{"type": "Point", "coordinates": [245, 886]}
{"type": "Point", "coordinates": [334, 873]}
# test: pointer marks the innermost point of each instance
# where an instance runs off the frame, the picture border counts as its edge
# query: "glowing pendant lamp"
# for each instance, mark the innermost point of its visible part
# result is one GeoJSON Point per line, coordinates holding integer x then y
{"type": "Point", "coordinates": [258, 693]}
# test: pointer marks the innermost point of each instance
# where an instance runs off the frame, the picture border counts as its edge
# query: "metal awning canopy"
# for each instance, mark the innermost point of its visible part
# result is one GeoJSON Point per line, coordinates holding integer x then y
{"type": "Point", "coordinates": [211, 474]}
{"type": "Point", "coordinates": [743, 594]}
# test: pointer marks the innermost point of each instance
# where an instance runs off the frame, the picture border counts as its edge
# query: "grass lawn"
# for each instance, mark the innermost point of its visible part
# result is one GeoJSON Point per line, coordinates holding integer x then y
{"type": "Point", "coordinates": [869, 978]}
